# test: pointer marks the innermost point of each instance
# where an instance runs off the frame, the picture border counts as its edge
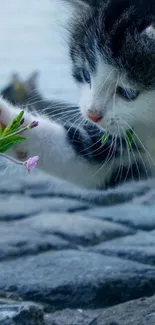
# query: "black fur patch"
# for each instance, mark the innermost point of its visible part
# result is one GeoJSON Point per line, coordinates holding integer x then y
{"type": "Point", "coordinates": [87, 143]}
{"type": "Point", "coordinates": [114, 28]}
{"type": "Point", "coordinates": [135, 172]}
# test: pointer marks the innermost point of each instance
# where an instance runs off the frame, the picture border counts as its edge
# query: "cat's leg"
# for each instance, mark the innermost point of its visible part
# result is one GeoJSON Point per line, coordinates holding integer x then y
{"type": "Point", "coordinates": [68, 152]}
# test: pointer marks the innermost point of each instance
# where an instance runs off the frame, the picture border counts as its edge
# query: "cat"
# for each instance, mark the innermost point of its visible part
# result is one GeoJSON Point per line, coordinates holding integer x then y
{"type": "Point", "coordinates": [112, 48]}
{"type": "Point", "coordinates": [26, 93]}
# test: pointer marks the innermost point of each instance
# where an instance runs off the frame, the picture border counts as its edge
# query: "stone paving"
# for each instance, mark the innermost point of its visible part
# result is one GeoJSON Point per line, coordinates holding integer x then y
{"type": "Point", "coordinates": [75, 257]}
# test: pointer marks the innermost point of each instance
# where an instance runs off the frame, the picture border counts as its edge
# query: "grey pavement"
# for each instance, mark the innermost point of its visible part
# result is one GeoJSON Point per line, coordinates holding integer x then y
{"type": "Point", "coordinates": [68, 259]}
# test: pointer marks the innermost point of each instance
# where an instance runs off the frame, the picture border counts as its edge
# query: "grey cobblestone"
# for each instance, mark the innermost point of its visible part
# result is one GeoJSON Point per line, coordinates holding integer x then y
{"type": "Point", "coordinates": [75, 228]}
{"type": "Point", "coordinates": [106, 272]}
{"type": "Point", "coordinates": [137, 312]}
{"type": "Point", "coordinates": [18, 206]}
{"type": "Point", "coordinates": [17, 240]}
{"type": "Point", "coordinates": [130, 214]}
{"type": "Point", "coordinates": [76, 279]}
{"type": "Point", "coordinates": [139, 247]}
{"type": "Point", "coordinates": [21, 314]}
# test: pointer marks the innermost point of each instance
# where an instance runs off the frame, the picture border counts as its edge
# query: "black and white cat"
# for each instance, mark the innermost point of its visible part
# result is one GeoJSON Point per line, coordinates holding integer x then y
{"type": "Point", "coordinates": [112, 48]}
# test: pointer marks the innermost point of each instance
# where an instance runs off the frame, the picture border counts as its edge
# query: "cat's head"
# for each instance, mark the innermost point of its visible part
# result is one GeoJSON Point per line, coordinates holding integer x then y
{"type": "Point", "coordinates": [113, 54]}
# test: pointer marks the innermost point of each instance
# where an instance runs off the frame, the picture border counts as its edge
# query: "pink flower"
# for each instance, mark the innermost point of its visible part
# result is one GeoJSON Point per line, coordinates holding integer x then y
{"type": "Point", "coordinates": [32, 162]}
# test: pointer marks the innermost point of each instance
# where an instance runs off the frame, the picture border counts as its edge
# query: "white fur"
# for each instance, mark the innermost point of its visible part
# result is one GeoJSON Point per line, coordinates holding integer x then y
{"type": "Point", "coordinates": [57, 156]}
{"type": "Point", "coordinates": [118, 114]}
{"type": "Point", "coordinates": [150, 31]}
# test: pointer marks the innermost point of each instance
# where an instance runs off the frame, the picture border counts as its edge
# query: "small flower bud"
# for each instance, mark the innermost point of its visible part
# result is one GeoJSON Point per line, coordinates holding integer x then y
{"type": "Point", "coordinates": [33, 125]}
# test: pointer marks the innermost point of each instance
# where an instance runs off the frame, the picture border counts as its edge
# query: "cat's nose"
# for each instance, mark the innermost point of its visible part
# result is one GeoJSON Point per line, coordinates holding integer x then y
{"type": "Point", "coordinates": [95, 117]}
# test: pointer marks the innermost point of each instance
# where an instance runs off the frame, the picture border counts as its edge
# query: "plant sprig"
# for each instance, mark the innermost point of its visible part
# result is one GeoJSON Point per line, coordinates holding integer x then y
{"type": "Point", "coordinates": [11, 135]}
{"type": "Point", "coordinates": [129, 138]}
{"type": "Point", "coordinates": [104, 138]}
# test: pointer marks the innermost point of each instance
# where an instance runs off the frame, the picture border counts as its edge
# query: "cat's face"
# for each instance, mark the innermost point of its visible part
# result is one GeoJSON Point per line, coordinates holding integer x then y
{"type": "Point", "coordinates": [110, 99]}
{"type": "Point", "coordinates": [113, 54]}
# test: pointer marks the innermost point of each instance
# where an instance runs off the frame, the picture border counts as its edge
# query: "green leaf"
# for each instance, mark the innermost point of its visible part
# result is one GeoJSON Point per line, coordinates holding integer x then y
{"type": "Point", "coordinates": [19, 117]}
{"type": "Point", "coordinates": [11, 127]}
{"type": "Point", "coordinates": [7, 139]}
{"type": "Point", "coordinates": [16, 139]}
{"type": "Point", "coordinates": [1, 130]}
{"type": "Point", "coordinates": [104, 138]}
{"type": "Point", "coordinates": [129, 135]}
{"type": "Point", "coordinates": [14, 124]}
{"type": "Point", "coordinates": [6, 147]}
{"type": "Point", "coordinates": [8, 143]}
{"type": "Point", "coordinates": [11, 138]}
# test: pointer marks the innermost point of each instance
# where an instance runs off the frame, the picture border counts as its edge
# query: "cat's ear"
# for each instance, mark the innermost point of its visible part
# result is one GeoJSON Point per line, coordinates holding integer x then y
{"type": "Point", "coordinates": [78, 4]}
{"type": "Point", "coordinates": [82, 4]}
{"type": "Point", "coordinates": [90, 3]}
{"type": "Point", "coordinates": [31, 83]}
{"type": "Point", "coordinates": [149, 31]}
{"type": "Point", "coordinates": [28, 85]}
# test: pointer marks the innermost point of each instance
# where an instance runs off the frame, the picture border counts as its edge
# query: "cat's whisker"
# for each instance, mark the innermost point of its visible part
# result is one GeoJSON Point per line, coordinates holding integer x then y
{"type": "Point", "coordinates": [62, 106]}
{"type": "Point", "coordinates": [142, 145]}
{"type": "Point", "coordinates": [135, 160]}
{"type": "Point", "coordinates": [129, 158]}
{"type": "Point", "coordinates": [35, 97]}
{"type": "Point", "coordinates": [148, 155]}
{"type": "Point", "coordinates": [121, 146]}
{"type": "Point", "coordinates": [52, 109]}
{"type": "Point", "coordinates": [71, 124]}
{"type": "Point", "coordinates": [121, 156]}
{"type": "Point", "coordinates": [47, 105]}
{"type": "Point", "coordinates": [136, 164]}
{"type": "Point", "coordinates": [62, 113]}
{"type": "Point", "coordinates": [110, 155]}
{"type": "Point", "coordinates": [97, 149]}
{"type": "Point", "coordinates": [68, 120]}
{"type": "Point", "coordinates": [34, 100]}
{"type": "Point", "coordinates": [113, 154]}
{"type": "Point", "coordinates": [141, 158]}
{"type": "Point", "coordinates": [83, 121]}
{"type": "Point", "coordinates": [78, 127]}
{"type": "Point", "coordinates": [144, 121]}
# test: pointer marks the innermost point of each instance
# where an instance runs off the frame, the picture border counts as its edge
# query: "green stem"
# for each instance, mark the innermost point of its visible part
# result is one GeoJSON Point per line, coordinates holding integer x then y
{"type": "Point", "coordinates": [14, 133]}
{"type": "Point", "coordinates": [18, 162]}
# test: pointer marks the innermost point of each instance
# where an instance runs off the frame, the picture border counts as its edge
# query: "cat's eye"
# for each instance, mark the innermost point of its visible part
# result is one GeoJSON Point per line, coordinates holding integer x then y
{"type": "Point", "coordinates": [127, 94]}
{"type": "Point", "coordinates": [86, 76]}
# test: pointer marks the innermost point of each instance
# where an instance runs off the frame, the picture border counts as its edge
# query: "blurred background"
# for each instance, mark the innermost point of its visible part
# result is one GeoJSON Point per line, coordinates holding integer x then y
{"type": "Point", "coordinates": [33, 37]}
